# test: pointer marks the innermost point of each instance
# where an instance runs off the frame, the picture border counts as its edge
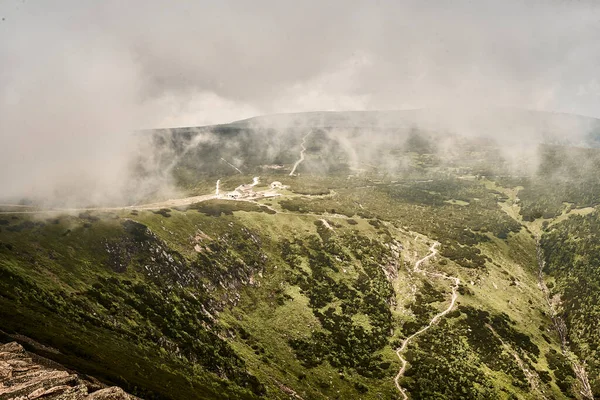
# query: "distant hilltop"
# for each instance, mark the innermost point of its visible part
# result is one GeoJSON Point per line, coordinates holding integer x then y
{"type": "Point", "coordinates": [430, 117]}
{"type": "Point", "coordinates": [520, 124]}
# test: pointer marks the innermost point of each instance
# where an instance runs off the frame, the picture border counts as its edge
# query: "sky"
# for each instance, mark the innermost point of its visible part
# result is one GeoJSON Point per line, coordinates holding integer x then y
{"type": "Point", "coordinates": [76, 76]}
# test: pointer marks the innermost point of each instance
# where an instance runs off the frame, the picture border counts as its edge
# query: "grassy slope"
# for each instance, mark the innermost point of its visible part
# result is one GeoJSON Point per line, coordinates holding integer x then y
{"type": "Point", "coordinates": [251, 303]}
{"type": "Point", "coordinates": [571, 249]}
{"type": "Point", "coordinates": [274, 309]}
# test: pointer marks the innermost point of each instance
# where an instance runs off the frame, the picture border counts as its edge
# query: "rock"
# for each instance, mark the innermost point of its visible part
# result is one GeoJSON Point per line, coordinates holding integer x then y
{"type": "Point", "coordinates": [111, 393]}
{"type": "Point", "coordinates": [26, 376]}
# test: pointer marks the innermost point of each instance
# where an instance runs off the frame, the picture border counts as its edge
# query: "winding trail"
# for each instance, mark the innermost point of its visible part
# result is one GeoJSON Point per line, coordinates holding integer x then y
{"type": "Point", "coordinates": [432, 252]}
{"type": "Point", "coordinates": [179, 202]}
{"type": "Point", "coordinates": [301, 154]}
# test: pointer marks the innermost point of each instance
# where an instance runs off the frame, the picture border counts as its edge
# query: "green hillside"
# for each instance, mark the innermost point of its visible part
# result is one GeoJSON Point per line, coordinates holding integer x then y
{"type": "Point", "coordinates": [307, 289]}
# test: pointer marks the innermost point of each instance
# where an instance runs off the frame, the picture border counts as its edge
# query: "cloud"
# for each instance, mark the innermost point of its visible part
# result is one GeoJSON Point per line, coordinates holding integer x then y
{"type": "Point", "coordinates": [196, 109]}
{"type": "Point", "coordinates": [78, 76]}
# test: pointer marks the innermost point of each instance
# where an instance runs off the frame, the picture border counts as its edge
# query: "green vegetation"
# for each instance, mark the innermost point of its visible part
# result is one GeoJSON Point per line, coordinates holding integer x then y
{"type": "Point", "coordinates": [567, 178]}
{"type": "Point", "coordinates": [572, 252]}
{"type": "Point", "coordinates": [354, 313]}
{"type": "Point", "coordinates": [217, 208]}
{"type": "Point", "coordinates": [309, 294]}
{"type": "Point", "coordinates": [93, 291]}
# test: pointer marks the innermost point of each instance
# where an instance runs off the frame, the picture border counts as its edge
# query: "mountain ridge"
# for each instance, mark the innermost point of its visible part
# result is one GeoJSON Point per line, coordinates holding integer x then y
{"type": "Point", "coordinates": [287, 270]}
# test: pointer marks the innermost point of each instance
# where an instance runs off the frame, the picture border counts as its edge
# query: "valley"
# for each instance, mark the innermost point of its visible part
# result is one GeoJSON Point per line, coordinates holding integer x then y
{"type": "Point", "coordinates": [423, 266]}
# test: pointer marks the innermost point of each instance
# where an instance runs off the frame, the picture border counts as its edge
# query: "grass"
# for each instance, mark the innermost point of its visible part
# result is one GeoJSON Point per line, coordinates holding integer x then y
{"type": "Point", "coordinates": [234, 300]}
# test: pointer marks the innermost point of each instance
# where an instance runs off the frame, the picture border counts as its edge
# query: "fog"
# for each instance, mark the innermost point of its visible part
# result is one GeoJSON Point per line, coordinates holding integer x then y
{"type": "Point", "coordinates": [78, 77]}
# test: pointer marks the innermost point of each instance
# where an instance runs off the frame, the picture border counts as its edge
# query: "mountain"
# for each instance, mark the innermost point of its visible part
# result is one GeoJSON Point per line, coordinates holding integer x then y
{"type": "Point", "coordinates": [417, 254]}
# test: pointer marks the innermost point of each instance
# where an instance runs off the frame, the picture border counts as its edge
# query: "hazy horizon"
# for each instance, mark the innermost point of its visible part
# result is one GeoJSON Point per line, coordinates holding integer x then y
{"type": "Point", "coordinates": [78, 77]}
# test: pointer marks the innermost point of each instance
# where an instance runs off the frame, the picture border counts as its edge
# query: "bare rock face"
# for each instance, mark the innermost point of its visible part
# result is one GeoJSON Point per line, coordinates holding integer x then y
{"type": "Point", "coordinates": [25, 376]}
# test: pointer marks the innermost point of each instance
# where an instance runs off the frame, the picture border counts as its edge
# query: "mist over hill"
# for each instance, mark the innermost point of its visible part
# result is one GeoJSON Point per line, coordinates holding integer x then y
{"type": "Point", "coordinates": [392, 254]}
{"type": "Point", "coordinates": [148, 166]}
{"type": "Point", "coordinates": [487, 122]}
{"type": "Point", "coordinates": [189, 210]}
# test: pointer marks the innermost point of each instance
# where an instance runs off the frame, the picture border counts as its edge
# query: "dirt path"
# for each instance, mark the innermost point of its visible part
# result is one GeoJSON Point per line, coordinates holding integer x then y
{"type": "Point", "coordinates": [150, 206]}
{"type": "Point", "coordinates": [326, 224]}
{"type": "Point", "coordinates": [432, 252]}
{"type": "Point", "coordinates": [301, 154]}
{"type": "Point", "coordinates": [181, 202]}
{"type": "Point", "coordinates": [231, 165]}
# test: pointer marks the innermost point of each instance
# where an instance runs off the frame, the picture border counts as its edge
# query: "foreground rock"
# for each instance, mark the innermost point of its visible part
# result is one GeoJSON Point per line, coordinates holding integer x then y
{"type": "Point", "coordinates": [25, 376]}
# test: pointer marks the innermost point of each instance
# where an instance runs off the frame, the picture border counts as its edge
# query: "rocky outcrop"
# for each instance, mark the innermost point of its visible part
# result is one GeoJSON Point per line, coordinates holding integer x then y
{"type": "Point", "coordinates": [25, 376]}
